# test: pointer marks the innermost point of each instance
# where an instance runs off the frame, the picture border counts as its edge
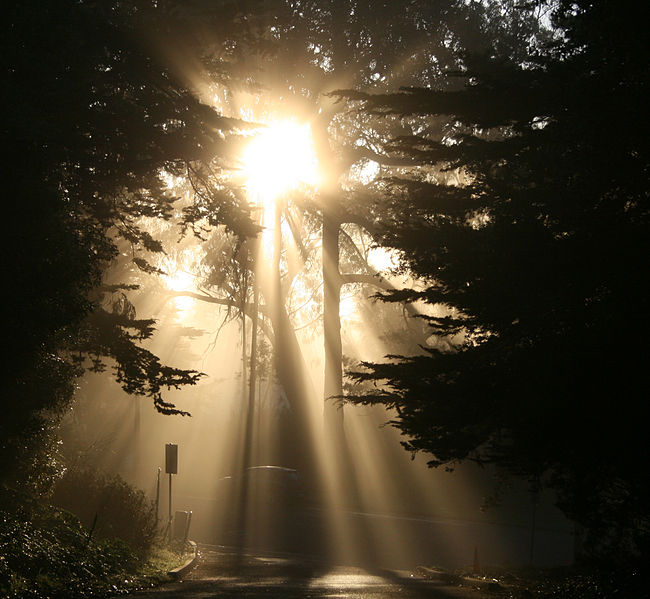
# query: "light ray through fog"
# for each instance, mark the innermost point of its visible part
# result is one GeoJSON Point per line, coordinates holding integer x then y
{"type": "Point", "coordinates": [398, 498]}
{"type": "Point", "coordinates": [395, 499]}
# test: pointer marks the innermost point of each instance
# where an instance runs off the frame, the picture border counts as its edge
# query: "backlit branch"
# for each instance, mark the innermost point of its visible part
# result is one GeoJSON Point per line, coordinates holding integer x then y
{"type": "Point", "coordinates": [246, 308]}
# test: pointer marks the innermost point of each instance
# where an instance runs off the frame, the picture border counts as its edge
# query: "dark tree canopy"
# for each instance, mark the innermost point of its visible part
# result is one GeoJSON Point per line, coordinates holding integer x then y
{"type": "Point", "coordinates": [93, 111]}
{"type": "Point", "coordinates": [534, 259]}
{"type": "Point", "coordinates": [539, 261]}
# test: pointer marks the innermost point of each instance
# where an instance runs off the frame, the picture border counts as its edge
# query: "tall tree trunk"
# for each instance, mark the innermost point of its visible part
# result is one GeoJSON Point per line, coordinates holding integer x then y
{"type": "Point", "coordinates": [298, 440]}
{"type": "Point", "coordinates": [346, 492]}
{"type": "Point", "coordinates": [333, 383]}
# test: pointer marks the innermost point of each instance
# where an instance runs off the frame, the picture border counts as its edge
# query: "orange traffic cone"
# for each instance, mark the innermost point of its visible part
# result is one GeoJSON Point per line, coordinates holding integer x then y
{"type": "Point", "coordinates": [475, 567]}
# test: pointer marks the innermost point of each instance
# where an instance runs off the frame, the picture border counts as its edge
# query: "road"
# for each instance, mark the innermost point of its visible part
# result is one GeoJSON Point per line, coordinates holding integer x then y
{"type": "Point", "coordinates": [221, 574]}
{"type": "Point", "coordinates": [391, 541]}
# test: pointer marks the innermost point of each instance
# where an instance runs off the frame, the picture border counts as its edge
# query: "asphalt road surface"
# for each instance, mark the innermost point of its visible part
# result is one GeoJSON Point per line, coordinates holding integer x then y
{"type": "Point", "coordinates": [222, 574]}
{"type": "Point", "coordinates": [392, 541]}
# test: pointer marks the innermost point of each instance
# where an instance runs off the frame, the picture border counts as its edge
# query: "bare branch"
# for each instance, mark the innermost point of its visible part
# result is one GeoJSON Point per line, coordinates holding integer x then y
{"type": "Point", "coordinates": [246, 308]}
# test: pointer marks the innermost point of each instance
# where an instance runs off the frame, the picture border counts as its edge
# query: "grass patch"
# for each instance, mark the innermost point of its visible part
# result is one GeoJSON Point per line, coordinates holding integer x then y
{"type": "Point", "coordinates": [161, 560]}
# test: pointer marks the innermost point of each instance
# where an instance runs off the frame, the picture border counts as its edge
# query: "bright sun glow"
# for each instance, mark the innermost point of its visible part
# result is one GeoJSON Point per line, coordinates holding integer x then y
{"type": "Point", "coordinates": [280, 158]}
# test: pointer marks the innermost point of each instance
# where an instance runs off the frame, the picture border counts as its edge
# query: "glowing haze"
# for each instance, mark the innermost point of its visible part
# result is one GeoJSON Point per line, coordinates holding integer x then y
{"type": "Point", "coordinates": [279, 158]}
{"type": "Point", "coordinates": [393, 511]}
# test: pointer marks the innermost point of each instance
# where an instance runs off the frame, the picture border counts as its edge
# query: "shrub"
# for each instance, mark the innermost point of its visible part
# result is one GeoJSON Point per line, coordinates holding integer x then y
{"type": "Point", "coordinates": [108, 507]}
{"type": "Point", "coordinates": [46, 552]}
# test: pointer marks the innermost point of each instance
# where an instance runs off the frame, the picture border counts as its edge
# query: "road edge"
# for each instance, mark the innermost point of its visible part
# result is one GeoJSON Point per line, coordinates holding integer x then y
{"type": "Point", "coordinates": [183, 569]}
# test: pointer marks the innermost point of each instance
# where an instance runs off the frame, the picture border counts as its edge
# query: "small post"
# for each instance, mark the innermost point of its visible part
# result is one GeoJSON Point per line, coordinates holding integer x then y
{"type": "Point", "coordinates": [187, 528]}
{"type": "Point", "coordinates": [169, 522]}
{"type": "Point", "coordinates": [158, 495]}
{"type": "Point", "coordinates": [171, 467]}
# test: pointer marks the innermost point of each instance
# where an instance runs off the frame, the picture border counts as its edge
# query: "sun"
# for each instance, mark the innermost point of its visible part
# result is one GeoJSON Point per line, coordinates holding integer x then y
{"type": "Point", "coordinates": [281, 157]}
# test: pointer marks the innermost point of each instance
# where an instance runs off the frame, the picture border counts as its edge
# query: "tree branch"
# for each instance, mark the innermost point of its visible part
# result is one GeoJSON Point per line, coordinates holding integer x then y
{"type": "Point", "coordinates": [247, 308]}
{"type": "Point", "coordinates": [378, 281]}
{"type": "Point", "coordinates": [359, 152]}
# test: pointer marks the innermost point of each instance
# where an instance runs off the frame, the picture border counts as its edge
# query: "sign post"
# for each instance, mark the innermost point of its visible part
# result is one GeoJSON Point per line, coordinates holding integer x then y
{"type": "Point", "coordinates": [158, 496]}
{"type": "Point", "coordinates": [171, 467]}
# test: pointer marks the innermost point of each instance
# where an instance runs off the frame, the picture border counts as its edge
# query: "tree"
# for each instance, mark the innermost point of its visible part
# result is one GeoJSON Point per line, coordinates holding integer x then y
{"type": "Point", "coordinates": [95, 116]}
{"type": "Point", "coordinates": [299, 53]}
{"type": "Point", "coordinates": [300, 60]}
{"type": "Point", "coordinates": [536, 263]}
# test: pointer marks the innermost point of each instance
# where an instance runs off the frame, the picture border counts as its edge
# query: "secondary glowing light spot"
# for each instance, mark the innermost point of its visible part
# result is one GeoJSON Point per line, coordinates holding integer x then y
{"type": "Point", "coordinates": [365, 172]}
{"type": "Point", "coordinates": [382, 259]}
{"type": "Point", "coordinates": [170, 181]}
{"type": "Point", "coordinates": [280, 158]}
{"type": "Point", "coordinates": [347, 306]}
{"type": "Point", "coordinates": [181, 281]}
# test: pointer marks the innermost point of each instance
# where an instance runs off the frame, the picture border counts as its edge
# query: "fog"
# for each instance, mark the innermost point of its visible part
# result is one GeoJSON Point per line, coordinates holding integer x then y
{"type": "Point", "coordinates": [396, 512]}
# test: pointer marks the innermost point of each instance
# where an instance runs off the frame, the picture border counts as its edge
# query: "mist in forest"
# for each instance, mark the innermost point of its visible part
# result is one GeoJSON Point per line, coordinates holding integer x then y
{"type": "Point", "coordinates": [400, 512]}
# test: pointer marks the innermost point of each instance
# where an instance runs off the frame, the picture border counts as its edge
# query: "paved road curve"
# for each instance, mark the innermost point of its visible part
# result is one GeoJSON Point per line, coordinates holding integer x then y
{"type": "Point", "coordinates": [221, 575]}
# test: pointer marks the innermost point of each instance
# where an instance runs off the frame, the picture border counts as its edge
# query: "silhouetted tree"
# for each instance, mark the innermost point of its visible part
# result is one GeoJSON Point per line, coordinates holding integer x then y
{"type": "Point", "coordinates": [96, 108]}
{"type": "Point", "coordinates": [534, 265]}
{"type": "Point", "coordinates": [301, 51]}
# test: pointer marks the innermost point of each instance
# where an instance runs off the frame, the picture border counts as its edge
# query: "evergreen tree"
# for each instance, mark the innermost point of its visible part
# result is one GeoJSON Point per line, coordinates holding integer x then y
{"type": "Point", "coordinates": [537, 262]}
{"type": "Point", "coordinates": [94, 111]}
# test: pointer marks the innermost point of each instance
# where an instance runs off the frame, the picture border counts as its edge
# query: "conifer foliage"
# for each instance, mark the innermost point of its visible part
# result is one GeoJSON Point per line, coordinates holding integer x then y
{"type": "Point", "coordinates": [93, 111]}
{"type": "Point", "coordinates": [538, 262]}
